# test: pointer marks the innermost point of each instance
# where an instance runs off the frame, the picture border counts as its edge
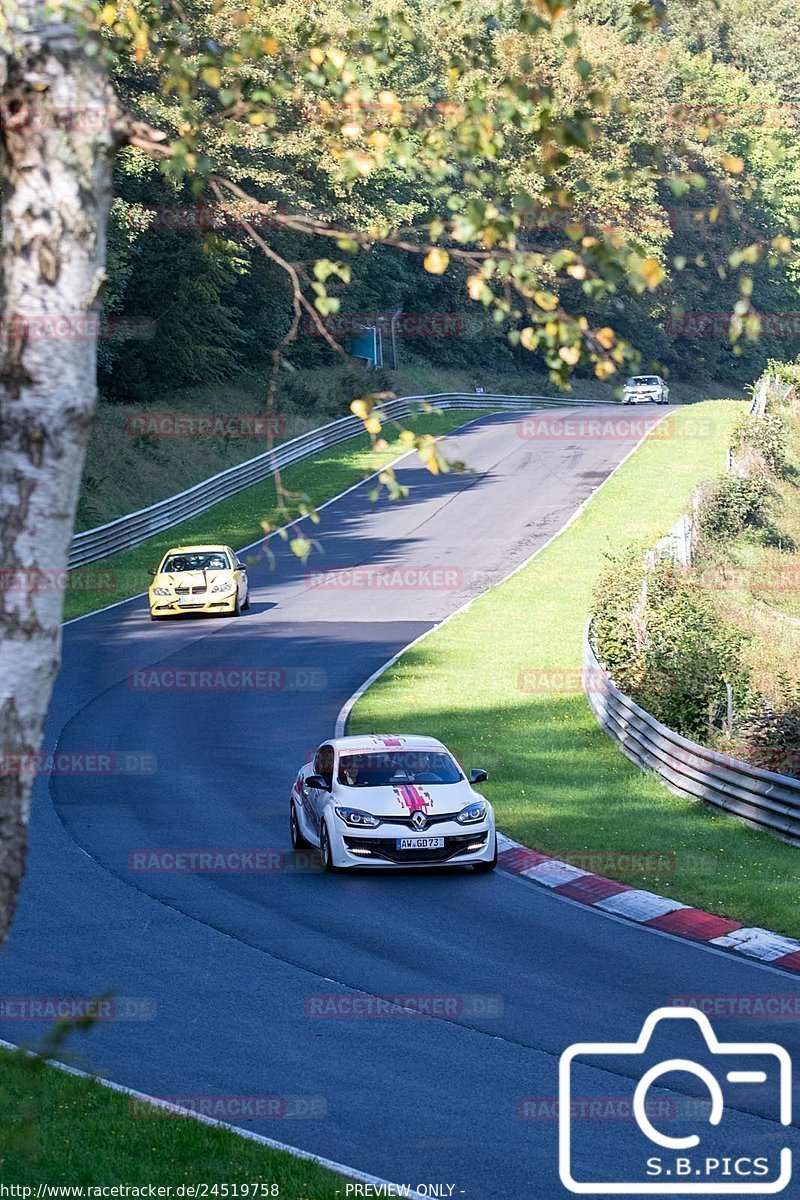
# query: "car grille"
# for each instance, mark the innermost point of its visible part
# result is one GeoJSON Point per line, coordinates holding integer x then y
{"type": "Point", "coordinates": [386, 848]}
{"type": "Point", "coordinates": [195, 591]}
{"type": "Point", "coordinates": [431, 819]}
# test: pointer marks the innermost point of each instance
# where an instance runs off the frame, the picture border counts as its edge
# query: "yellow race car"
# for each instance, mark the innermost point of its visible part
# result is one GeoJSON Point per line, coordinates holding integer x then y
{"type": "Point", "coordinates": [199, 579]}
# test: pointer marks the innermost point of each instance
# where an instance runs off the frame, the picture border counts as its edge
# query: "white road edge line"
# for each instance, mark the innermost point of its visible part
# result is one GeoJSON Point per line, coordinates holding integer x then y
{"type": "Point", "coordinates": [277, 532]}
{"type": "Point", "coordinates": [347, 707]}
{"type": "Point", "coordinates": [249, 1135]}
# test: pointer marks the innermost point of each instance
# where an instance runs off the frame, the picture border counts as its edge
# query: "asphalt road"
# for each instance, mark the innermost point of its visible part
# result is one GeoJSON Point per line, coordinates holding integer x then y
{"type": "Point", "coordinates": [229, 966]}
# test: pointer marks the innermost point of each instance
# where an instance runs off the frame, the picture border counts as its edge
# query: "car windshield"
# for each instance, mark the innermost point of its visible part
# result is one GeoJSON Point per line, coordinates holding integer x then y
{"type": "Point", "coordinates": [195, 562]}
{"type": "Point", "coordinates": [648, 380]}
{"type": "Point", "coordinates": [384, 769]}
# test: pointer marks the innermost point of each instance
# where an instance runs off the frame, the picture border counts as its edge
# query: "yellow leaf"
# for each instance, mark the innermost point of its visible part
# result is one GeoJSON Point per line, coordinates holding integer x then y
{"type": "Point", "coordinates": [361, 409]}
{"type": "Point", "coordinates": [577, 271]}
{"type": "Point", "coordinates": [363, 163]}
{"type": "Point", "coordinates": [606, 337]}
{"type": "Point", "coordinates": [316, 55]}
{"type": "Point", "coordinates": [337, 57]}
{"type": "Point", "coordinates": [569, 354]}
{"type": "Point", "coordinates": [546, 300]}
{"type": "Point", "coordinates": [653, 272]}
{"type": "Point", "coordinates": [211, 76]}
{"type": "Point", "coordinates": [475, 287]}
{"type": "Point", "coordinates": [108, 14]}
{"type": "Point", "coordinates": [372, 425]}
{"type": "Point", "coordinates": [528, 338]}
{"type": "Point", "coordinates": [732, 163]}
{"type": "Point", "coordinates": [436, 261]}
{"type": "Point", "coordinates": [270, 45]}
{"type": "Point", "coordinates": [433, 465]}
{"type": "Point", "coordinates": [604, 369]}
{"type": "Point", "coordinates": [257, 118]}
{"type": "Point", "coordinates": [351, 130]}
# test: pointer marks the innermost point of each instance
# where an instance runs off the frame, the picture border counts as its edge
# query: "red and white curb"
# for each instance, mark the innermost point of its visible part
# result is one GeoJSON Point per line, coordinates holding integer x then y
{"type": "Point", "coordinates": [646, 908]}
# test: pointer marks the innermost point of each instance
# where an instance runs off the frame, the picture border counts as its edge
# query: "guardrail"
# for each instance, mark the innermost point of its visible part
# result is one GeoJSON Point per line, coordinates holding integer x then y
{"type": "Point", "coordinates": [126, 532]}
{"type": "Point", "coordinates": [760, 798]}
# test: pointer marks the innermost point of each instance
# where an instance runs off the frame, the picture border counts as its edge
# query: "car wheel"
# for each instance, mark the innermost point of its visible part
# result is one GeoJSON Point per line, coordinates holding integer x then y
{"type": "Point", "coordinates": [325, 852]}
{"type": "Point", "coordinates": [298, 841]}
{"type": "Point", "coordinates": [246, 603]}
{"type": "Point", "coordinates": [483, 868]}
{"type": "Point", "coordinates": [236, 611]}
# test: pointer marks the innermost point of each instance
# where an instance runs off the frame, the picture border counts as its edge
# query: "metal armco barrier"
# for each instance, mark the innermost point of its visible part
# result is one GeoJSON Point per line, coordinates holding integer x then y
{"type": "Point", "coordinates": [137, 527]}
{"type": "Point", "coordinates": [760, 798]}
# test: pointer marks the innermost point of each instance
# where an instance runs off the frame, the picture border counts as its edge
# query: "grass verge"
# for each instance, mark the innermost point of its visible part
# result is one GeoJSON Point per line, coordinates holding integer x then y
{"type": "Point", "coordinates": [61, 1129]}
{"type": "Point", "coordinates": [500, 684]}
{"type": "Point", "coordinates": [237, 522]}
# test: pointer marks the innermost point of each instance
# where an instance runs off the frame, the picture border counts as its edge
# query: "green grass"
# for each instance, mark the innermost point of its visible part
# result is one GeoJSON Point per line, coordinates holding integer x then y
{"type": "Point", "coordinates": [237, 522]}
{"type": "Point", "coordinates": [558, 783]}
{"type": "Point", "coordinates": [61, 1129]}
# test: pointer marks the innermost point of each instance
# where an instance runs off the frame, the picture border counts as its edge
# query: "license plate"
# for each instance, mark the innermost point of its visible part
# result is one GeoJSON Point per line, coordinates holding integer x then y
{"type": "Point", "coordinates": [186, 600]}
{"type": "Point", "coordinates": [420, 843]}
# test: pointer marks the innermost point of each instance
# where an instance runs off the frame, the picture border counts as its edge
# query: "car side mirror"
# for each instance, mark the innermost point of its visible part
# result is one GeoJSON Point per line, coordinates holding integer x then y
{"type": "Point", "coordinates": [152, 571]}
{"type": "Point", "coordinates": [240, 566]}
{"type": "Point", "coordinates": [478, 775]}
{"type": "Point", "coordinates": [316, 781]}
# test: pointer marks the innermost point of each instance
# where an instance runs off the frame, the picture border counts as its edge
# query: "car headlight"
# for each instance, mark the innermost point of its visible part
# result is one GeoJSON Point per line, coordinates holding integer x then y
{"type": "Point", "coordinates": [159, 591]}
{"type": "Point", "coordinates": [222, 587]}
{"type": "Point", "coordinates": [473, 813]}
{"type": "Point", "coordinates": [354, 816]}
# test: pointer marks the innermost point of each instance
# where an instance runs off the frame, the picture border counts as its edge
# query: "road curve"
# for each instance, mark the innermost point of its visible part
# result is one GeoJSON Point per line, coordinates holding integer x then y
{"type": "Point", "coordinates": [230, 962]}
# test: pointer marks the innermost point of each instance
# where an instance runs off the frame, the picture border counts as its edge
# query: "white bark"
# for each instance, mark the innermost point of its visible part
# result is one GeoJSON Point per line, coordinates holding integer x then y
{"type": "Point", "coordinates": [55, 173]}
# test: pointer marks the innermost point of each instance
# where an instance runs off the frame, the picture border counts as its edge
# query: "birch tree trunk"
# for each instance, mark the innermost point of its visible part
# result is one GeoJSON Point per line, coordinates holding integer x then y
{"type": "Point", "coordinates": [58, 130]}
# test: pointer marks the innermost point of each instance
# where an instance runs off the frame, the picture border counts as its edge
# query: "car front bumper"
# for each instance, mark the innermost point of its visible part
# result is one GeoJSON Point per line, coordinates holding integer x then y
{"type": "Point", "coordinates": [640, 397]}
{"type": "Point", "coordinates": [168, 606]}
{"type": "Point", "coordinates": [378, 847]}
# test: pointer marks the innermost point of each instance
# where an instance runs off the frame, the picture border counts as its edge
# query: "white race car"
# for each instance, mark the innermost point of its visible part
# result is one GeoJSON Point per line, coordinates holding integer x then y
{"type": "Point", "coordinates": [642, 389]}
{"type": "Point", "coordinates": [391, 802]}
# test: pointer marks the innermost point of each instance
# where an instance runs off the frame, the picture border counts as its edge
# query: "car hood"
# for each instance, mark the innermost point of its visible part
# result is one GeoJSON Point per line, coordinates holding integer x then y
{"type": "Point", "coordinates": [191, 579]}
{"type": "Point", "coordinates": [402, 800]}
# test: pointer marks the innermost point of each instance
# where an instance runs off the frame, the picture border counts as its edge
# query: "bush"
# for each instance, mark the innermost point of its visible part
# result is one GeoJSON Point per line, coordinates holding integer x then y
{"type": "Point", "coordinates": [665, 646]}
{"type": "Point", "coordinates": [730, 504]}
{"type": "Point", "coordinates": [766, 437]}
{"type": "Point", "coordinates": [771, 740]}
